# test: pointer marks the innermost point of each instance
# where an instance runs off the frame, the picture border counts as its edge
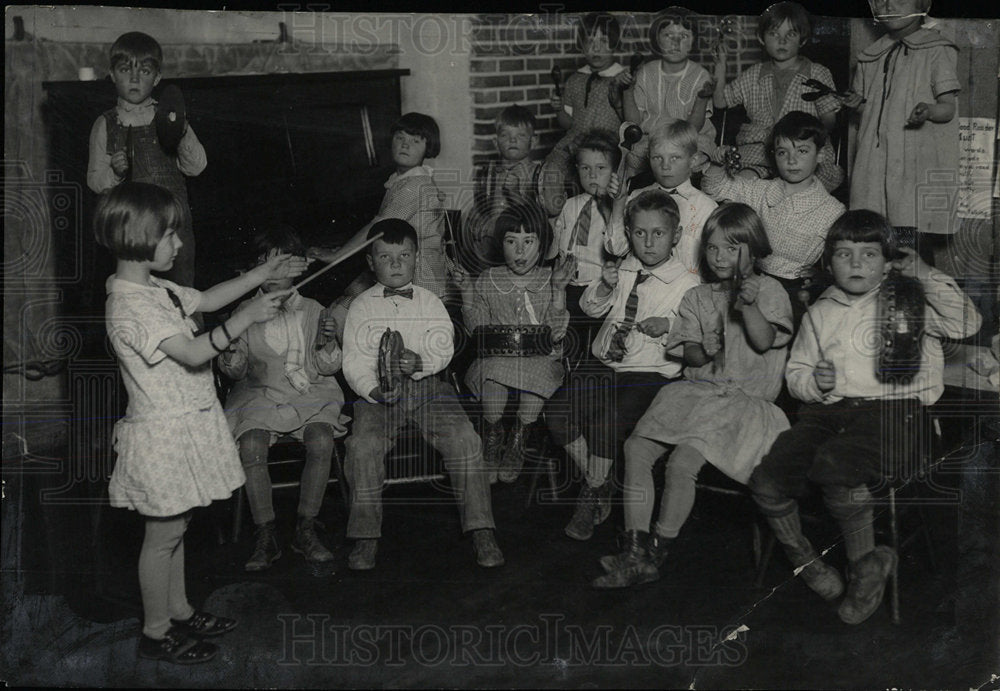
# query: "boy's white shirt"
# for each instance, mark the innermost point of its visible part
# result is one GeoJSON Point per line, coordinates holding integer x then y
{"type": "Point", "coordinates": [659, 296]}
{"type": "Point", "coordinates": [612, 70]}
{"type": "Point", "coordinates": [422, 321]}
{"type": "Point", "coordinates": [848, 333]}
{"type": "Point", "coordinates": [694, 206]}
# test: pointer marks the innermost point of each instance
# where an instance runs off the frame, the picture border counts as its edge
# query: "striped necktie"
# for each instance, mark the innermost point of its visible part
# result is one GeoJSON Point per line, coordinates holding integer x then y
{"type": "Point", "coordinates": [581, 231]}
{"type": "Point", "coordinates": [632, 302]}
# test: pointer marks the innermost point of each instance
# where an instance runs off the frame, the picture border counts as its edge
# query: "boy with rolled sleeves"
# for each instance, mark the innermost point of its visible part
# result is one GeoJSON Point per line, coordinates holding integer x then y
{"type": "Point", "coordinates": [858, 414]}
{"type": "Point", "coordinates": [419, 395]}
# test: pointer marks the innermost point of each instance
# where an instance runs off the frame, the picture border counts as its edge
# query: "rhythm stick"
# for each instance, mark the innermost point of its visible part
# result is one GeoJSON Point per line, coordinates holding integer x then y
{"type": "Point", "coordinates": [812, 325]}
{"type": "Point", "coordinates": [336, 261]}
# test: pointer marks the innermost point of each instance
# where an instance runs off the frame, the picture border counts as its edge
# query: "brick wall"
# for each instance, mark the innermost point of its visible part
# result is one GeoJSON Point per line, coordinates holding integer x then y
{"type": "Point", "coordinates": [513, 55]}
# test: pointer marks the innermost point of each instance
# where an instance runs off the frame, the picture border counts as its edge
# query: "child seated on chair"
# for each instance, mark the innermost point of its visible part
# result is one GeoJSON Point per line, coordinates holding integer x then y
{"type": "Point", "coordinates": [734, 331]}
{"type": "Point", "coordinates": [522, 301]}
{"type": "Point", "coordinates": [867, 357]}
{"type": "Point", "coordinates": [639, 297]}
{"type": "Point", "coordinates": [400, 384]}
{"type": "Point", "coordinates": [285, 386]}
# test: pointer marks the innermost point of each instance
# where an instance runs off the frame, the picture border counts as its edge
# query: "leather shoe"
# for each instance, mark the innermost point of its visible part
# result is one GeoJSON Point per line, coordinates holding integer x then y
{"type": "Point", "coordinates": [488, 554]}
{"type": "Point", "coordinates": [362, 557]}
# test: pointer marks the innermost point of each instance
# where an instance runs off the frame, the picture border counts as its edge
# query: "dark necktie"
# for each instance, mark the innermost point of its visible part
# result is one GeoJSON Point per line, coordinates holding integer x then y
{"type": "Point", "coordinates": [389, 292]}
{"type": "Point", "coordinates": [590, 83]}
{"type": "Point", "coordinates": [632, 302]}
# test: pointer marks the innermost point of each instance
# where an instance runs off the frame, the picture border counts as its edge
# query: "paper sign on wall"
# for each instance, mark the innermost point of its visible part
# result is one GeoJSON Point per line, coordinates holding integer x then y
{"type": "Point", "coordinates": [977, 137]}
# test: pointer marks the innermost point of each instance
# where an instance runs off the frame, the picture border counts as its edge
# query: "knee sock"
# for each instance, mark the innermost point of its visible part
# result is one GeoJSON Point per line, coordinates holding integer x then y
{"type": "Point", "coordinates": [529, 408]}
{"type": "Point", "coordinates": [598, 469]}
{"type": "Point", "coordinates": [177, 602]}
{"type": "Point", "coordinates": [579, 452]}
{"type": "Point", "coordinates": [852, 507]}
{"type": "Point", "coordinates": [494, 400]}
{"type": "Point", "coordinates": [784, 520]}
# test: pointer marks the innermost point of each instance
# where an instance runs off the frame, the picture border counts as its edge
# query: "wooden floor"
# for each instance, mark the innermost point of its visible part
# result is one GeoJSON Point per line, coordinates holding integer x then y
{"type": "Point", "coordinates": [427, 616]}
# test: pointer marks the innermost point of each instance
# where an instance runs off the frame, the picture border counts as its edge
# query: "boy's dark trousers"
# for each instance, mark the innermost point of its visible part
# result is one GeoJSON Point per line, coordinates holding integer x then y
{"type": "Point", "coordinates": [437, 411]}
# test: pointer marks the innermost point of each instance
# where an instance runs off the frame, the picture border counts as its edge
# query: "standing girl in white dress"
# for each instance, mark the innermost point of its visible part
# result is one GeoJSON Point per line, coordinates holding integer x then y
{"type": "Point", "coordinates": [174, 448]}
{"type": "Point", "coordinates": [735, 331]}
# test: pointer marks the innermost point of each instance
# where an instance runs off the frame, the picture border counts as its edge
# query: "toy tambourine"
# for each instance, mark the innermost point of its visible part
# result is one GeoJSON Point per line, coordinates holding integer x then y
{"type": "Point", "coordinates": [901, 304]}
{"type": "Point", "coordinates": [170, 119]}
{"type": "Point", "coordinates": [390, 347]}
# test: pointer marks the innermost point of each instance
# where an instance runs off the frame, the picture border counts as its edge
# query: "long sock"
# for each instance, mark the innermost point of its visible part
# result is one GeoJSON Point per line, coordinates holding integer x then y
{"type": "Point", "coordinates": [494, 400]}
{"type": "Point", "coordinates": [318, 437]}
{"type": "Point", "coordinates": [529, 407]}
{"type": "Point", "coordinates": [597, 470]}
{"type": "Point", "coordinates": [155, 561]}
{"type": "Point", "coordinates": [253, 446]}
{"type": "Point", "coordinates": [678, 489]}
{"type": "Point", "coordinates": [177, 601]}
{"type": "Point", "coordinates": [788, 530]}
{"type": "Point", "coordinates": [579, 452]}
{"type": "Point", "coordinates": [852, 507]}
{"type": "Point", "coordinates": [639, 494]}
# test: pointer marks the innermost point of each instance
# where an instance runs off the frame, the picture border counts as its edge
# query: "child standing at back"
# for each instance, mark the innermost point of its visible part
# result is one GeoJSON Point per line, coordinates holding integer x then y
{"type": "Point", "coordinates": [771, 89]}
{"type": "Point", "coordinates": [174, 448]}
{"type": "Point", "coordinates": [585, 100]}
{"type": "Point", "coordinates": [671, 88]}
{"type": "Point", "coordinates": [734, 331]}
{"type": "Point", "coordinates": [520, 294]}
{"type": "Point", "coordinates": [124, 143]}
{"type": "Point", "coordinates": [905, 87]}
{"type": "Point", "coordinates": [673, 151]}
{"type": "Point", "coordinates": [514, 179]}
{"type": "Point", "coordinates": [857, 424]}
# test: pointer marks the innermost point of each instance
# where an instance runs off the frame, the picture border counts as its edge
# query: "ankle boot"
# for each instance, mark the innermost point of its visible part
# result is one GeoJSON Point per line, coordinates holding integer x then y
{"type": "Point", "coordinates": [868, 577]}
{"type": "Point", "coordinates": [513, 457]}
{"type": "Point", "coordinates": [307, 541]}
{"type": "Point", "coordinates": [636, 567]}
{"type": "Point", "coordinates": [266, 550]}
{"type": "Point", "coordinates": [822, 579]}
{"type": "Point", "coordinates": [581, 526]}
{"type": "Point", "coordinates": [657, 548]}
{"type": "Point", "coordinates": [632, 544]}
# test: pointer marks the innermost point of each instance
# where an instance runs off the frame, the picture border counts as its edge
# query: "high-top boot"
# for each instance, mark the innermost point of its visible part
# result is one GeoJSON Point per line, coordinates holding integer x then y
{"type": "Point", "coordinates": [513, 457]}
{"type": "Point", "coordinates": [636, 567]}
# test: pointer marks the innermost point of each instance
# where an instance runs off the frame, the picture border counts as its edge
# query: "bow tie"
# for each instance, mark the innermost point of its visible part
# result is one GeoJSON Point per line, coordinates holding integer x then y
{"type": "Point", "coordinates": [673, 191]}
{"type": "Point", "coordinates": [389, 292]}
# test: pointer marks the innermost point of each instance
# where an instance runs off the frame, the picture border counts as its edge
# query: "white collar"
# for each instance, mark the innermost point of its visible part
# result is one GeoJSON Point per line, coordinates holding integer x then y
{"type": "Point", "coordinates": [612, 70]}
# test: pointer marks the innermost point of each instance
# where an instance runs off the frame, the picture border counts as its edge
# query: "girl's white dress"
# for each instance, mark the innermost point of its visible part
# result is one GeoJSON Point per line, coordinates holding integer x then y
{"type": "Point", "coordinates": [175, 450]}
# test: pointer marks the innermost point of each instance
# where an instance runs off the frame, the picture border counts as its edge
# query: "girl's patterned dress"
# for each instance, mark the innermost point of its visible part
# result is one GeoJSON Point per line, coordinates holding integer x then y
{"type": "Point", "coordinates": [175, 450]}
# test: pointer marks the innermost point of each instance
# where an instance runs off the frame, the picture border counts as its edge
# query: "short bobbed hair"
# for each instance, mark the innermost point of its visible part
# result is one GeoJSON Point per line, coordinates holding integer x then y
{"type": "Point", "coordinates": [131, 219]}
{"type": "Point", "coordinates": [137, 46]}
{"type": "Point", "coordinates": [420, 125]}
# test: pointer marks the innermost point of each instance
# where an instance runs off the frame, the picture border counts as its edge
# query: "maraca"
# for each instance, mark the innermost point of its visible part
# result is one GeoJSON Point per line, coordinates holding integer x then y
{"type": "Point", "coordinates": [630, 134]}
{"type": "Point", "coordinates": [557, 80]}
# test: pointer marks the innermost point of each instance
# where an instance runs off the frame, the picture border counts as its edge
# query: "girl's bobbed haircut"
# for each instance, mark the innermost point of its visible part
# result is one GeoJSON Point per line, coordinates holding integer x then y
{"type": "Point", "coordinates": [275, 236]}
{"type": "Point", "coordinates": [138, 46]}
{"type": "Point", "coordinates": [420, 125]}
{"type": "Point", "coordinates": [681, 16]}
{"type": "Point", "coordinates": [776, 15]}
{"type": "Point", "coordinates": [523, 216]}
{"type": "Point", "coordinates": [739, 224]}
{"type": "Point", "coordinates": [861, 225]}
{"type": "Point", "coordinates": [131, 218]}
